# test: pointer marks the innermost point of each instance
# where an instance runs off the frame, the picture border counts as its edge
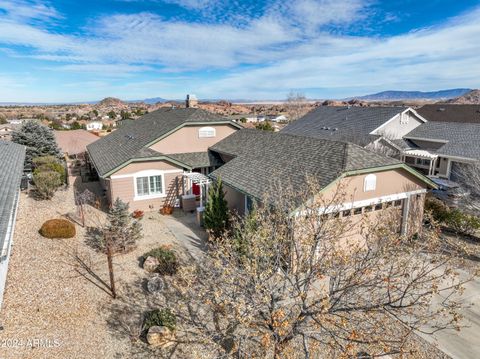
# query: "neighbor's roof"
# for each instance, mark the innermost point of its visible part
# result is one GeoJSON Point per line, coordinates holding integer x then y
{"type": "Point", "coordinates": [262, 158]}
{"type": "Point", "coordinates": [462, 139]}
{"type": "Point", "coordinates": [197, 159]}
{"type": "Point", "coordinates": [132, 141]}
{"type": "Point", "coordinates": [12, 156]}
{"type": "Point", "coordinates": [451, 113]}
{"type": "Point", "coordinates": [353, 124]}
{"type": "Point", "coordinates": [74, 142]}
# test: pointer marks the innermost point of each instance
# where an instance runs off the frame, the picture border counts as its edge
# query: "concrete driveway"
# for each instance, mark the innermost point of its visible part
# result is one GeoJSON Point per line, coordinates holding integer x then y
{"type": "Point", "coordinates": [463, 344]}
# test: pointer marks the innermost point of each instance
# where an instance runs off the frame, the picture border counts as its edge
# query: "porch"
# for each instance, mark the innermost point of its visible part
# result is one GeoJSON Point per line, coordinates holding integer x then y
{"type": "Point", "coordinates": [427, 163]}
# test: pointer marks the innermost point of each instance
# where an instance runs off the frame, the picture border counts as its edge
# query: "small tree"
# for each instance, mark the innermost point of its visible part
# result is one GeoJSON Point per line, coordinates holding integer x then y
{"type": "Point", "coordinates": [216, 210]}
{"type": "Point", "coordinates": [39, 140]}
{"type": "Point", "coordinates": [265, 126]}
{"type": "Point", "coordinates": [46, 183]}
{"type": "Point", "coordinates": [296, 105]}
{"type": "Point", "coordinates": [122, 229]}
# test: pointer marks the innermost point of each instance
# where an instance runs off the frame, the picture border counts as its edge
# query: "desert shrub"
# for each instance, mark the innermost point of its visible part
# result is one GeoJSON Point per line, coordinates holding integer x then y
{"type": "Point", "coordinates": [138, 214]}
{"type": "Point", "coordinates": [461, 222]}
{"type": "Point", "coordinates": [437, 208]}
{"type": "Point", "coordinates": [50, 163]}
{"type": "Point", "coordinates": [58, 228]}
{"type": "Point", "coordinates": [46, 183]}
{"type": "Point", "coordinates": [160, 317]}
{"type": "Point", "coordinates": [168, 263]}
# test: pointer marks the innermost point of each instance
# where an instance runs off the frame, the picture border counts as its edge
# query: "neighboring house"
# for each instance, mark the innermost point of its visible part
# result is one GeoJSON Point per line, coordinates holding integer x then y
{"type": "Point", "coordinates": [258, 163]}
{"type": "Point", "coordinates": [451, 113]}
{"type": "Point", "coordinates": [6, 131]}
{"type": "Point", "coordinates": [361, 125]}
{"type": "Point", "coordinates": [17, 121]}
{"type": "Point", "coordinates": [94, 126]}
{"type": "Point", "coordinates": [12, 156]}
{"type": "Point", "coordinates": [74, 143]}
{"type": "Point", "coordinates": [278, 118]}
{"type": "Point", "coordinates": [437, 148]}
{"type": "Point", "coordinates": [143, 163]}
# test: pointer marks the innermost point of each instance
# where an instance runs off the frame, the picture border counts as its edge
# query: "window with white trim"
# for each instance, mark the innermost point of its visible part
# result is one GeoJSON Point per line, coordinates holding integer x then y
{"type": "Point", "coordinates": [149, 185]}
{"type": "Point", "coordinates": [370, 183]}
{"type": "Point", "coordinates": [403, 118]}
{"type": "Point", "coordinates": [206, 132]}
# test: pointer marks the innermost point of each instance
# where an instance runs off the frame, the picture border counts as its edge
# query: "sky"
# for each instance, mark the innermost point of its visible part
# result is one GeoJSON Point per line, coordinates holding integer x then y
{"type": "Point", "coordinates": [70, 50]}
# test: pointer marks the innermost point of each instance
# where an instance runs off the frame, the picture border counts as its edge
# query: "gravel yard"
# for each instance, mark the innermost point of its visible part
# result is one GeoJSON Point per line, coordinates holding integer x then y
{"type": "Point", "coordinates": [55, 305]}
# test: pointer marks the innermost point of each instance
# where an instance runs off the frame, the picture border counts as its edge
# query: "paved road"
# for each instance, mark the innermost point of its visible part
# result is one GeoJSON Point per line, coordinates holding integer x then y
{"type": "Point", "coordinates": [464, 344]}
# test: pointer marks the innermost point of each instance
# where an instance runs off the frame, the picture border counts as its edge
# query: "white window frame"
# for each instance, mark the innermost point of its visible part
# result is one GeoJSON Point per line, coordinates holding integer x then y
{"type": "Point", "coordinates": [207, 132]}
{"type": "Point", "coordinates": [370, 183]}
{"type": "Point", "coordinates": [404, 118]}
{"type": "Point", "coordinates": [149, 173]}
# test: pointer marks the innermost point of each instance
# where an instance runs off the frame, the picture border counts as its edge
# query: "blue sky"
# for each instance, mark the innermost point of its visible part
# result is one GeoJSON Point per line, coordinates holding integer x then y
{"type": "Point", "coordinates": [70, 50]}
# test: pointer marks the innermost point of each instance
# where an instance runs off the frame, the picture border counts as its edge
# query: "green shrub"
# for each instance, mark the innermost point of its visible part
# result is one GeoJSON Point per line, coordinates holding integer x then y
{"type": "Point", "coordinates": [160, 317]}
{"type": "Point", "coordinates": [49, 163]}
{"type": "Point", "coordinates": [46, 183]}
{"type": "Point", "coordinates": [168, 263]}
{"type": "Point", "coordinates": [462, 223]}
{"type": "Point", "coordinates": [58, 228]}
{"type": "Point", "coordinates": [437, 208]}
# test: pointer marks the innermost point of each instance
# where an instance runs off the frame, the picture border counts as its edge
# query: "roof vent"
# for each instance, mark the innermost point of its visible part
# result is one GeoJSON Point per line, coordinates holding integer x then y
{"type": "Point", "coordinates": [130, 137]}
{"type": "Point", "coordinates": [335, 129]}
{"type": "Point", "coordinates": [441, 109]}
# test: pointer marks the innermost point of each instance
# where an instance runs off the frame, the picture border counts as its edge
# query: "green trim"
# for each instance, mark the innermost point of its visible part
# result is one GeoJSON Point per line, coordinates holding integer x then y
{"type": "Point", "coordinates": [147, 159]}
{"type": "Point", "coordinates": [192, 124]}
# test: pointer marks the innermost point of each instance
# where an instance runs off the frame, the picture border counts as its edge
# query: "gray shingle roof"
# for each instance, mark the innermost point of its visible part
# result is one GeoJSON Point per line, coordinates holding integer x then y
{"type": "Point", "coordinates": [263, 157]}
{"type": "Point", "coordinates": [129, 141]}
{"type": "Point", "coordinates": [352, 124]}
{"type": "Point", "coordinates": [12, 156]}
{"type": "Point", "coordinates": [197, 159]}
{"type": "Point", "coordinates": [463, 138]}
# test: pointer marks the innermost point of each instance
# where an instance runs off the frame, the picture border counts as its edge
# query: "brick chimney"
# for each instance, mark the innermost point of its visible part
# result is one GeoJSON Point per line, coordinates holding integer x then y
{"type": "Point", "coordinates": [191, 101]}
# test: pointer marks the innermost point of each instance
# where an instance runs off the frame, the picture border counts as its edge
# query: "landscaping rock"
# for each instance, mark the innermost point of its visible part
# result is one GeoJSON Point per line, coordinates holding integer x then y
{"type": "Point", "coordinates": [155, 284]}
{"type": "Point", "coordinates": [160, 337]}
{"type": "Point", "coordinates": [150, 264]}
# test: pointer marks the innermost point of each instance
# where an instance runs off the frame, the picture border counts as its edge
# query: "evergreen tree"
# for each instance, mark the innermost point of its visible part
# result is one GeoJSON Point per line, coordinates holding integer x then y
{"type": "Point", "coordinates": [216, 210]}
{"type": "Point", "coordinates": [39, 140]}
{"type": "Point", "coordinates": [122, 229]}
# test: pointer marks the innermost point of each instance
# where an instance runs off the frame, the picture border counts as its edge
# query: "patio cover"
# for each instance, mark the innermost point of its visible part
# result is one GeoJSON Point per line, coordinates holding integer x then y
{"type": "Point", "coordinates": [420, 154]}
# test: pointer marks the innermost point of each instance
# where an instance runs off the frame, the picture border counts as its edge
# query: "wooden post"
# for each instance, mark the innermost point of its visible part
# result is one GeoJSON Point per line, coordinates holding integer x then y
{"type": "Point", "coordinates": [110, 265]}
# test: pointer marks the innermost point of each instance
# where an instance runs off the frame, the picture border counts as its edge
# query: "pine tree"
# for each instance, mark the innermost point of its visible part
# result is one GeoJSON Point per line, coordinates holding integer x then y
{"type": "Point", "coordinates": [216, 210]}
{"type": "Point", "coordinates": [39, 140]}
{"type": "Point", "coordinates": [122, 229]}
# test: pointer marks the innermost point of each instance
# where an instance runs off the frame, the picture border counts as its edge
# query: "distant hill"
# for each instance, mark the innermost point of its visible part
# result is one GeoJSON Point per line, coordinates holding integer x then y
{"type": "Point", "coordinates": [415, 95]}
{"type": "Point", "coordinates": [469, 98]}
{"type": "Point", "coordinates": [111, 101]}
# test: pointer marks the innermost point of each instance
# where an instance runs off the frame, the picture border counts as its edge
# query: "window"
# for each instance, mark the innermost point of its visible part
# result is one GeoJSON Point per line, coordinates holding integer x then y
{"type": "Point", "coordinates": [206, 132]}
{"type": "Point", "coordinates": [397, 203]}
{"type": "Point", "coordinates": [347, 213]}
{"type": "Point", "coordinates": [368, 209]}
{"type": "Point", "coordinates": [370, 183]}
{"type": "Point", "coordinates": [149, 185]}
{"type": "Point", "coordinates": [357, 211]}
{"type": "Point", "coordinates": [378, 206]}
{"type": "Point", "coordinates": [403, 118]}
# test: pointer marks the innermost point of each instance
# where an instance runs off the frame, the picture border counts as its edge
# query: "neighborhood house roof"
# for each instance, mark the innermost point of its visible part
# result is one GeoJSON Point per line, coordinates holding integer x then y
{"type": "Point", "coordinates": [12, 156]}
{"type": "Point", "coordinates": [451, 113]}
{"type": "Point", "coordinates": [74, 142]}
{"type": "Point", "coordinates": [262, 158]}
{"type": "Point", "coordinates": [132, 141]}
{"type": "Point", "coordinates": [353, 124]}
{"type": "Point", "coordinates": [460, 140]}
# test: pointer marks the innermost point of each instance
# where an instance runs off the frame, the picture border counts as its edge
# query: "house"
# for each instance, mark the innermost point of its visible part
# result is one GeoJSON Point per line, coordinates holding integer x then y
{"type": "Point", "coordinates": [94, 126]}
{"type": "Point", "coordinates": [74, 143]}
{"type": "Point", "coordinates": [258, 163]}
{"type": "Point", "coordinates": [6, 131]}
{"type": "Point", "coordinates": [361, 125]}
{"type": "Point", "coordinates": [450, 113]}
{"type": "Point", "coordinates": [12, 156]}
{"type": "Point", "coordinates": [143, 163]}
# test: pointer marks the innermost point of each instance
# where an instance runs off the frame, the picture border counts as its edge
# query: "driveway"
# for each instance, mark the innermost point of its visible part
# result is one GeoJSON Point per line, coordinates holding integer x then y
{"type": "Point", "coordinates": [464, 344]}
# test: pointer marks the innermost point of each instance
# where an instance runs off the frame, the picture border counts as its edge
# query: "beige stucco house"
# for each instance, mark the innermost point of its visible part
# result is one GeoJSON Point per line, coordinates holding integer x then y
{"type": "Point", "coordinates": [143, 162]}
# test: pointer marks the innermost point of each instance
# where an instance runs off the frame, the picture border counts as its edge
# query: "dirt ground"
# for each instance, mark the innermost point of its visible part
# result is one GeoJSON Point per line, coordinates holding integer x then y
{"type": "Point", "coordinates": [57, 304]}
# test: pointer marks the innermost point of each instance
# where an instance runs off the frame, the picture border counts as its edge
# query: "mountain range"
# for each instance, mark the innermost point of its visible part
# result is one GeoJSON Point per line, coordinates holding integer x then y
{"type": "Point", "coordinates": [415, 95]}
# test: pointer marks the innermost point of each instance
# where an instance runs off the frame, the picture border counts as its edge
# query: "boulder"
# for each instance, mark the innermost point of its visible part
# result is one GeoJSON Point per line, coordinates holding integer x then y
{"type": "Point", "coordinates": [155, 284]}
{"type": "Point", "coordinates": [158, 336]}
{"type": "Point", "coordinates": [150, 264]}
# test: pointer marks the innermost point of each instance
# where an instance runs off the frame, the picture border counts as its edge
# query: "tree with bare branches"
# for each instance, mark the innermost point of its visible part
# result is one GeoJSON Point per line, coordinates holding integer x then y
{"type": "Point", "coordinates": [296, 105]}
{"type": "Point", "coordinates": [290, 283]}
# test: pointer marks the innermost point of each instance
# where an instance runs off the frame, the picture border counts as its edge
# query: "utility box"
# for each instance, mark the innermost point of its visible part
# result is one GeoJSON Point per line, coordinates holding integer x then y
{"type": "Point", "coordinates": [189, 202]}
{"type": "Point", "coordinates": [200, 211]}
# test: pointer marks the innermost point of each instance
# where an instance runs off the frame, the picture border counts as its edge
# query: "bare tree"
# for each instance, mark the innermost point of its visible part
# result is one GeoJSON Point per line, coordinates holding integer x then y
{"type": "Point", "coordinates": [83, 199]}
{"type": "Point", "coordinates": [468, 176]}
{"type": "Point", "coordinates": [289, 284]}
{"type": "Point", "coordinates": [296, 105]}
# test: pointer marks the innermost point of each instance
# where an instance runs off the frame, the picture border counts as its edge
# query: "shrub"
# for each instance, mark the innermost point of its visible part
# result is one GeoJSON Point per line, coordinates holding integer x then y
{"type": "Point", "coordinates": [160, 317]}
{"type": "Point", "coordinates": [58, 228]}
{"type": "Point", "coordinates": [462, 223]}
{"type": "Point", "coordinates": [437, 208]}
{"type": "Point", "coordinates": [168, 263]}
{"type": "Point", "coordinates": [46, 183]}
{"type": "Point", "coordinates": [50, 163]}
